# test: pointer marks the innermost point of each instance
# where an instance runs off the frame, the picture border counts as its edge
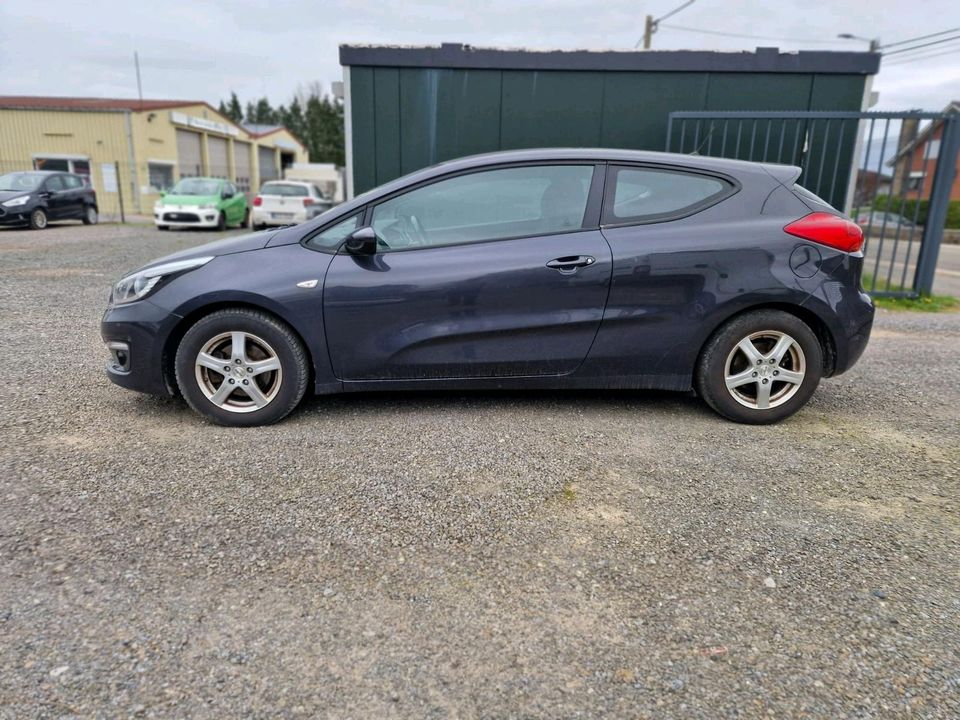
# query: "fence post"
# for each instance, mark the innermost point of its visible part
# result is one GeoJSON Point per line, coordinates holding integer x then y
{"type": "Point", "coordinates": [939, 204]}
{"type": "Point", "coordinates": [116, 166]}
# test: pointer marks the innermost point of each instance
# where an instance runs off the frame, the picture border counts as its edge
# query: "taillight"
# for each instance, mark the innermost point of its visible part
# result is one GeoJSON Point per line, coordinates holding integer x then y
{"type": "Point", "coordinates": [308, 201]}
{"type": "Point", "coordinates": [257, 201]}
{"type": "Point", "coordinates": [828, 229]}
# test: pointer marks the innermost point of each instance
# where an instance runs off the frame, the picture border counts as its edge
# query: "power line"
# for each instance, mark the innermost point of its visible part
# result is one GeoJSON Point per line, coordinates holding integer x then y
{"type": "Point", "coordinates": [922, 37]}
{"type": "Point", "coordinates": [744, 35]}
{"type": "Point", "coordinates": [651, 24]}
{"type": "Point", "coordinates": [923, 45]}
{"type": "Point", "coordinates": [924, 51]}
{"type": "Point", "coordinates": [675, 10]}
{"type": "Point", "coordinates": [904, 61]}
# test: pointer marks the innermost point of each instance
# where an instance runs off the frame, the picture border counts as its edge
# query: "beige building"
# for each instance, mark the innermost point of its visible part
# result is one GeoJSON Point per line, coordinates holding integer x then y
{"type": "Point", "coordinates": [133, 149]}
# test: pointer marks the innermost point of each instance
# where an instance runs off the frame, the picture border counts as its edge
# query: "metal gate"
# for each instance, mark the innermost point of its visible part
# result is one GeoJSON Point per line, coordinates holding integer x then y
{"type": "Point", "coordinates": [891, 172]}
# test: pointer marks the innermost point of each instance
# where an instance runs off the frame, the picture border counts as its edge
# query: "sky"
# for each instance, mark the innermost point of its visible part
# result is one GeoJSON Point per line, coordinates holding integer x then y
{"type": "Point", "coordinates": [192, 49]}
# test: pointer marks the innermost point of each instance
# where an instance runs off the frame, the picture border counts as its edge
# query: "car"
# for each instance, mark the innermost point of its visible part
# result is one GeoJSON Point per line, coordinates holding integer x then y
{"type": "Point", "coordinates": [287, 202]}
{"type": "Point", "coordinates": [878, 220]}
{"type": "Point", "coordinates": [36, 197]}
{"type": "Point", "coordinates": [546, 268]}
{"type": "Point", "coordinates": [202, 202]}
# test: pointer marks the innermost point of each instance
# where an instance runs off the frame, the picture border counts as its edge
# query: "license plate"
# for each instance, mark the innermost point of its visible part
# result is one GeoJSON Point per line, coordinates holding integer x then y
{"type": "Point", "coordinates": [281, 216]}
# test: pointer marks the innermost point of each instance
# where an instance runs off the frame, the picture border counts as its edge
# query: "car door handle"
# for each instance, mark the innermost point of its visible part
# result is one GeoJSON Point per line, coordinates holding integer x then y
{"type": "Point", "coordinates": [571, 263]}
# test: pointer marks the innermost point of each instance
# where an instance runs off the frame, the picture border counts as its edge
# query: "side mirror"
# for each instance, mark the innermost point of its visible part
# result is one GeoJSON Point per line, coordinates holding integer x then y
{"type": "Point", "coordinates": [362, 242]}
{"type": "Point", "coordinates": [227, 194]}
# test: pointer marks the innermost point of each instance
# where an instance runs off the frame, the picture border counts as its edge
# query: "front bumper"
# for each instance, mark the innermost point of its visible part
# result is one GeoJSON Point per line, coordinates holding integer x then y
{"type": "Point", "coordinates": [135, 336]}
{"type": "Point", "coordinates": [14, 216]}
{"type": "Point", "coordinates": [186, 216]}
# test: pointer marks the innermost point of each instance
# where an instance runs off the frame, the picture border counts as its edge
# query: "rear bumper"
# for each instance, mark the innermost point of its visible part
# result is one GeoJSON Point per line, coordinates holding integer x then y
{"type": "Point", "coordinates": [138, 333]}
{"type": "Point", "coordinates": [266, 217]}
{"type": "Point", "coordinates": [858, 322]}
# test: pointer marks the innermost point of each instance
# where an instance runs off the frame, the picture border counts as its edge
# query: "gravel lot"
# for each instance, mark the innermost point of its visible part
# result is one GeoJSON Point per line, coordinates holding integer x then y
{"type": "Point", "coordinates": [462, 555]}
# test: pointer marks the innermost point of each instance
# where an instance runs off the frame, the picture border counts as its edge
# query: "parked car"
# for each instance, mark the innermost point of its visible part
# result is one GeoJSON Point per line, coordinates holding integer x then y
{"type": "Point", "coordinates": [877, 219]}
{"type": "Point", "coordinates": [35, 197]}
{"type": "Point", "coordinates": [202, 202]}
{"type": "Point", "coordinates": [287, 202]}
{"type": "Point", "coordinates": [523, 269]}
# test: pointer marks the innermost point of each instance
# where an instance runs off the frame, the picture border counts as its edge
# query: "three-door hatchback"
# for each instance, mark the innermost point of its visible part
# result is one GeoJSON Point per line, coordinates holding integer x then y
{"type": "Point", "coordinates": [525, 269]}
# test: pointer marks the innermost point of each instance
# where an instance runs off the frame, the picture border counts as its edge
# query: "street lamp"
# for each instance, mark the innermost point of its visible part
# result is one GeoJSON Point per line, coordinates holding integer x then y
{"type": "Point", "coordinates": [874, 42]}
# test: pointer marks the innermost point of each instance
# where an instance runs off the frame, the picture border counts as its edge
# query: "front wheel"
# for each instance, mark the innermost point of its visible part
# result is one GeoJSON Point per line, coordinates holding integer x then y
{"type": "Point", "coordinates": [38, 219]}
{"type": "Point", "coordinates": [242, 367]}
{"type": "Point", "coordinates": [221, 222]}
{"type": "Point", "coordinates": [760, 367]}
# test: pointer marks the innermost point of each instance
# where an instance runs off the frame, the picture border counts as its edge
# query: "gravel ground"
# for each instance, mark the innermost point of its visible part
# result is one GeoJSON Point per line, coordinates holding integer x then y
{"type": "Point", "coordinates": [464, 555]}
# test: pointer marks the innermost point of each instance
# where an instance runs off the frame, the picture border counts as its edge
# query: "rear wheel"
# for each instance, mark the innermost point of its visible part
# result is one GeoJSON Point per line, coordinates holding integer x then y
{"type": "Point", "coordinates": [242, 367]}
{"type": "Point", "coordinates": [760, 367]}
{"type": "Point", "coordinates": [38, 219]}
{"type": "Point", "coordinates": [246, 219]}
{"type": "Point", "coordinates": [90, 216]}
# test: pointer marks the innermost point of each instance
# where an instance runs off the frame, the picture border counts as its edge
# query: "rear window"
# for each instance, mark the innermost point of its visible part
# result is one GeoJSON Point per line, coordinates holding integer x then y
{"type": "Point", "coordinates": [284, 189]}
{"type": "Point", "coordinates": [652, 194]}
{"type": "Point", "coordinates": [807, 195]}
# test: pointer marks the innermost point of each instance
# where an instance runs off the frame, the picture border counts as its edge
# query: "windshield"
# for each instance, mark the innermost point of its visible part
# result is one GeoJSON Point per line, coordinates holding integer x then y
{"type": "Point", "coordinates": [25, 181]}
{"type": "Point", "coordinates": [284, 189]}
{"type": "Point", "coordinates": [196, 186]}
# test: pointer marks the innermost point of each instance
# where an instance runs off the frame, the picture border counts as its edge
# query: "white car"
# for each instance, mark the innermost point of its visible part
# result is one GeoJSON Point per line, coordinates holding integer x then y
{"type": "Point", "coordinates": [287, 202]}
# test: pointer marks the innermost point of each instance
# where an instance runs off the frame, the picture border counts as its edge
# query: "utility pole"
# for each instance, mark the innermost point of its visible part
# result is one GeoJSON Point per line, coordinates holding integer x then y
{"type": "Point", "coordinates": [136, 63]}
{"type": "Point", "coordinates": [648, 30]}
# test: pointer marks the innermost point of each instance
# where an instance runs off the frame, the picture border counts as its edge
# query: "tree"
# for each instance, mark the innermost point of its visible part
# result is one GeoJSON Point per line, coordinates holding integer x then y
{"type": "Point", "coordinates": [312, 117]}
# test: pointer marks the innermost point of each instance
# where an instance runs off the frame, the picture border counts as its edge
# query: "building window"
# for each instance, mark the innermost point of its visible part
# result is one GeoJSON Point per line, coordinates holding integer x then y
{"type": "Point", "coordinates": [915, 181]}
{"type": "Point", "coordinates": [934, 150]}
{"type": "Point", "coordinates": [79, 165]}
{"type": "Point", "coordinates": [161, 176]}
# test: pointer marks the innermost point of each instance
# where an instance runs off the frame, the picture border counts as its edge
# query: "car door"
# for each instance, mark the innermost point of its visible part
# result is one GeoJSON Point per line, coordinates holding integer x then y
{"type": "Point", "coordinates": [73, 196]}
{"type": "Point", "coordinates": [57, 197]}
{"type": "Point", "coordinates": [237, 204]}
{"type": "Point", "coordinates": [494, 273]}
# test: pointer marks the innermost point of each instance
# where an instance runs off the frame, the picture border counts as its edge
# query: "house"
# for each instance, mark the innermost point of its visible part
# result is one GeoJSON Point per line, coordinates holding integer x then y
{"type": "Point", "coordinates": [135, 149]}
{"type": "Point", "coordinates": [917, 159]}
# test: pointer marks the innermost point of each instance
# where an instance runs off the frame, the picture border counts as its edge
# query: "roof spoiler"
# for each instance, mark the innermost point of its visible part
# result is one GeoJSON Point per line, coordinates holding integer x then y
{"type": "Point", "coordinates": [786, 175]}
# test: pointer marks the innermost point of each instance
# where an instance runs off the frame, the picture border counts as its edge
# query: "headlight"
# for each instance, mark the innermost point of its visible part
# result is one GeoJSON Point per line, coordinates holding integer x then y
{"type": "Point", "coordinates": [16, 202]}
{"type": "Point", "coordinates": [137, 286]}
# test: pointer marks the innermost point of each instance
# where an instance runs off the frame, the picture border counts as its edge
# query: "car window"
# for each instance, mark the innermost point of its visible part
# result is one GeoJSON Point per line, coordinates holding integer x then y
{"type": "Point", "coordinates": [71, 182]}
{"type": "Point", "coordinates": [283, 189]}
{"type": "Point", "coordinates": [651, 194]}
{"type": "Point", "coordinates": [54, 184]}
{"type": "Point", "coordinates": [331, 238]}
{"type": "Point", "coordinates": [487, 205]}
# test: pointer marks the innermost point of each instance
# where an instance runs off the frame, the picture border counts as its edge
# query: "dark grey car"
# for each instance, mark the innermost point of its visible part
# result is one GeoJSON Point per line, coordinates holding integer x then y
{"type": "Point", "coordinates": [36, 197]}
{"type": "Point", "coordinates": [535, 268]}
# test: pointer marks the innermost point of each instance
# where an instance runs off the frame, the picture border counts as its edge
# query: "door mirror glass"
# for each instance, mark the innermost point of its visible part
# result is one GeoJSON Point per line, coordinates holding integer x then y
{"type": "Point", "coordinates": [227, 194]}
{"type": "Point", "coordinates": [362, 242]}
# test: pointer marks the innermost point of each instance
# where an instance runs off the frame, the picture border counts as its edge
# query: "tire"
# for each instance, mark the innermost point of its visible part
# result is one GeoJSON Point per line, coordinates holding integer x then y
{"type": "Point", "coordinates": [257, 227]}
{"type": "Point", "coordinates": [221, 222]}
{"type": "Point", "coordinates": [246, 219]}
{"type": "Point", "coordinates": [163, 227]}
{"type": "Point", "coordinates": [90, 216]}
{"type": "Point", "coordinates": [38, 219]}
{"type": "Point", "coordinates": [759, 394]}
{"type": "Point", "coordinates": [269, 346]}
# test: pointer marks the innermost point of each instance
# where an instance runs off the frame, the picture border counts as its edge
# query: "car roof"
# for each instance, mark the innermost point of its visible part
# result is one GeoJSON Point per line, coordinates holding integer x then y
{"type": "Point", "coordinates": [288, 182]}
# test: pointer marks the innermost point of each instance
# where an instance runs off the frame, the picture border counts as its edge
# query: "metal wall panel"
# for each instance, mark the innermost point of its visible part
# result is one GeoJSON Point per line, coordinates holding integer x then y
{"type": "Point", "coordinates": [551, 109]}
{"type": "Point", "coordinates": [218, 156]}
{"type": "Point", "coordinates": [242, 166]}
{"type": "Point", "coordinates": [267, 159]}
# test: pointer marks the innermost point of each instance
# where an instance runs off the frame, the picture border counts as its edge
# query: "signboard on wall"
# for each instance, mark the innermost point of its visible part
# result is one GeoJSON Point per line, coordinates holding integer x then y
{"type": "Point", "coordinates": [108, 172]}
{"type": "Point", "coordinates": [180, 118]}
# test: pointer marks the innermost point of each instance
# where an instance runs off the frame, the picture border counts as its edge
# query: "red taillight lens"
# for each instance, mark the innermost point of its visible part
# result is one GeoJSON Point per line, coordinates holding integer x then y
{"type": "Point", "coordinates": [308, 201]}
{"type": "Point", "coordinates": [828, 229]}
{"type": "Point", "coordinates": [257, 201]}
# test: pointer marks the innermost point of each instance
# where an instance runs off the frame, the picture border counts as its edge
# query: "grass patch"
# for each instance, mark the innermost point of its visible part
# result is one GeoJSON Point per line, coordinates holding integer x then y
{"type": "Point", "coordinates": [923, 303]}
{"type": "Point", "coordinates": [569, 492]}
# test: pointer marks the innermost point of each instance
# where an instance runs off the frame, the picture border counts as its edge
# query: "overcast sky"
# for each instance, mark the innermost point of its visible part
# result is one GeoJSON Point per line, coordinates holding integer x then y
{"type": "Point", "coordinates": [203, 50]}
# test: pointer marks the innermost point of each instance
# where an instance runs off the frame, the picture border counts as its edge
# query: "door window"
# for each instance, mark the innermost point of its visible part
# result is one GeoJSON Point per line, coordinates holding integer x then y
{"type": "Point", "coordinates": [488, 205]}
{"type": "Point", "coordinates": [649, 194]}
{"type": "Point", "coordinates": [54, 184]}
{"type": "Point", "coordinates": [72, 182]}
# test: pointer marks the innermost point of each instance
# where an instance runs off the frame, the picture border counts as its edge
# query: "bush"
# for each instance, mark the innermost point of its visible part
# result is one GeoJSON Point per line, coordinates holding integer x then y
{"type": "Point", "coordinates": [884, 202]}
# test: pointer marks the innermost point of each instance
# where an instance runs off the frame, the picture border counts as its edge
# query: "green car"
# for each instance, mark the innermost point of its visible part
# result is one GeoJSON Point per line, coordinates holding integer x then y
{"type": "Point", "coordinates": [202, 202]}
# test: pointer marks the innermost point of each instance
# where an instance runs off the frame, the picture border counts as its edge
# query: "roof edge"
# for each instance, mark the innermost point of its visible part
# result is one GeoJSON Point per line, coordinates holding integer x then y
{"type": "Point", "coordinates": [763, 60]}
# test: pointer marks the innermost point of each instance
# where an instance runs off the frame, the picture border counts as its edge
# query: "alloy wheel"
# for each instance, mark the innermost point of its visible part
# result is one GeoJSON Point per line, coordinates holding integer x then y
{"type": "Point", "coordinates": [238, 371]}
{"type": "Point", "coordinates": [765, 369]}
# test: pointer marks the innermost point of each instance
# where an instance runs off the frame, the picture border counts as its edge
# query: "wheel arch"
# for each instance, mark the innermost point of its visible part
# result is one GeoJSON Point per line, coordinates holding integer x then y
{"type": "Point", "coordinates": [168, 356]}
{"type": "Point", "coordinates": [825, 335]}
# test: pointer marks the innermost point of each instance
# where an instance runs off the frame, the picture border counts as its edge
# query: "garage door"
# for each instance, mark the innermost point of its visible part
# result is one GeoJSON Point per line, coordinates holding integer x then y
{"type": "Point", "coordinates": [268, 164]}
{"type": "Point", "coordinates": [189, 156]}
{"type": "Point", "coordinates": [241, 166]}
{"type": "Point", "coordinates": [217, 154]}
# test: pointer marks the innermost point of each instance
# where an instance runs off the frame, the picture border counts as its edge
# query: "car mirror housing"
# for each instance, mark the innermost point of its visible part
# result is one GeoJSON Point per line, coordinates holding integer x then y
{"type": "Point", "coordinates": [362, 242]}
